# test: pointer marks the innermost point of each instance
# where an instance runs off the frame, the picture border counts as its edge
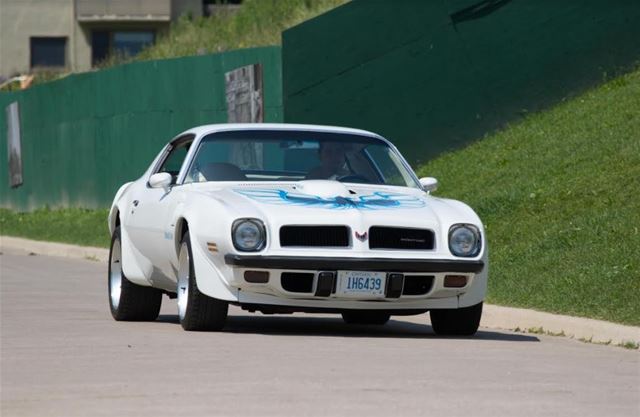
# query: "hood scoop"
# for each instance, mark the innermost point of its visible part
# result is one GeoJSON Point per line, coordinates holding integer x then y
{"type": "Point", "coordinates": [324, 188]}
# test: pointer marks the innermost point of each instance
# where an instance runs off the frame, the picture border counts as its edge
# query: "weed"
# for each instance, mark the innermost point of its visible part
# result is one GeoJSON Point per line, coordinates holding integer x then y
{"type": "Point", "coordinates": [535, 330]}
{"type": "Point", "coordinates": [540, 330]}
{"type": "Point", "coordinates": [628, 344]}
{"type": "Point", "coordinates": [256, 23]}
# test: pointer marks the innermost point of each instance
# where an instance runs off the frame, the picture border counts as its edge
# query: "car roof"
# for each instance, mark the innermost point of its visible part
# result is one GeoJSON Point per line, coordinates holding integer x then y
{"type": "Point", "coordinates": [212, 128]}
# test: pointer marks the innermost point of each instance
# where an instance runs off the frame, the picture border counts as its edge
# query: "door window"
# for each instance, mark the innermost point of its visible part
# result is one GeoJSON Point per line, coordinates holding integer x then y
{"type": "Point", "coordinates": [173, 162]}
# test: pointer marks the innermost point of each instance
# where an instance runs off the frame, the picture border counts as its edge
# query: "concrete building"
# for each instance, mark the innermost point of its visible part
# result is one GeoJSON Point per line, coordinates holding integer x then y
{"type": "Point", "coordinates": [75, 35]}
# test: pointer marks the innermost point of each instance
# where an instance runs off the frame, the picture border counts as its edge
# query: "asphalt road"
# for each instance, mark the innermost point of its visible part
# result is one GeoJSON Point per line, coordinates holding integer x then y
{"type": "Point", "coordinates": [63, 355]}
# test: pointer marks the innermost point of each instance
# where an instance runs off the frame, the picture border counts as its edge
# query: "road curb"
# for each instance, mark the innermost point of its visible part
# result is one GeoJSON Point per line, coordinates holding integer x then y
{"type": "Point", "coordinates": [493, 317]}
{"type": "Point", "coordinates": [532, 321]}
{"type": "Point", "coordinates": [55, 249]}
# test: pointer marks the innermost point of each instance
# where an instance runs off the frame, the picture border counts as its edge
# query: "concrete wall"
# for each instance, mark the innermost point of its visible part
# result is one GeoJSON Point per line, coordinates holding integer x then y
{"type": "Point", "coordinates": [21, 19]}
{"type": "Point", "coordinates": [87, 9]}
{"type": "Point", "coordinates": [180, 7]}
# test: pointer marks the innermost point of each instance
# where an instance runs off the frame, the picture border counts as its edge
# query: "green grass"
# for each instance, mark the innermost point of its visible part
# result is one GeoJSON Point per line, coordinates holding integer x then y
{"type": "Point", "coordinates": [629, 344]}
{"type": "Point", "coordinates": [626, 344]}
{"type": "Point", "coordinates": [73, 225]}
{"type": "Point", "coordinates": [559, 194]}
{"type": "Point", "coordinates": [256, 23]}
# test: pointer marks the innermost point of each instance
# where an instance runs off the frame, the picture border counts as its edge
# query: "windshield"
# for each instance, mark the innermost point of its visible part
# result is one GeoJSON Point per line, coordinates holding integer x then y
{"type": "Point", "coordinates": [278, 155]}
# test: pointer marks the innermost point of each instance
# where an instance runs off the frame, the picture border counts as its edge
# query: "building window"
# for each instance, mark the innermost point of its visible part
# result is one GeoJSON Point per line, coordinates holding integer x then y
{"type": "Point", "coordinates": [50, 52]}
{"type": "Point", "coordinates": [128, 43]}
{"type": "Point", "coordinates": [99, 46]}
{"type": "Point", "coordinates": [131, 43]}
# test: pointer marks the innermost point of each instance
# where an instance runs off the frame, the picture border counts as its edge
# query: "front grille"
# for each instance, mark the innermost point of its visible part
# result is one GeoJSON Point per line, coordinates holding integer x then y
{"type": "Point", "coordinates": [400, 238]}
{"type": "Point", "coordinates": [417, 284]}
{"type": "Point", "coordinates": [297, 281]}
{"type": "Point", "coordinates": [314, 236]}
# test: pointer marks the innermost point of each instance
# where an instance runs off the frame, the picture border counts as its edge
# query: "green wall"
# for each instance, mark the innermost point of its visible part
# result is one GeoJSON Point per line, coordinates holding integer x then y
{"type": "Point", "coordinates": [434, 75]}
{"type": "Point", "coordinates": [429, 75]}
{"type": "Point", "coordinates": [85, 135]}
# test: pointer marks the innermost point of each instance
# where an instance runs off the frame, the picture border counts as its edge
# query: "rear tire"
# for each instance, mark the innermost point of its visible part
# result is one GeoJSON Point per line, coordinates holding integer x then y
{"type": "Point", "coordinates": [196, 310]}
{"type": "Point", "coordinates": [366, 317]}
{"type": "Point", "coordinates": [456, 322]}
{"type": "Point", "coordinates": [129, 301]}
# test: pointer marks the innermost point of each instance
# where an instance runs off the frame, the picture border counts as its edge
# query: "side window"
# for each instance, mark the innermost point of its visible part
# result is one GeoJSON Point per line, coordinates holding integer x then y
{"type": "Point", "coordinates": [173, 161]}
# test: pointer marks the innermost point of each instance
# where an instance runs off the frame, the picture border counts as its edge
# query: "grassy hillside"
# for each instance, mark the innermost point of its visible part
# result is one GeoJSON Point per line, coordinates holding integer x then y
{"type": "Point", "coordinates": [560, 196]}
{"type": "Point", "coordinates": [256, 23]}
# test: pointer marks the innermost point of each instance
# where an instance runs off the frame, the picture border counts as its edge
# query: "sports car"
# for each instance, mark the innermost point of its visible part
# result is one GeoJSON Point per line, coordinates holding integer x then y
{"type": "Point", "coordinates": [283, 218]}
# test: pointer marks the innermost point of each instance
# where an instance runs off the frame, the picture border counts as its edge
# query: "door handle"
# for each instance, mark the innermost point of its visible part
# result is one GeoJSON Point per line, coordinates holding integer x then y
{"type": "Point", "coordinates": [135, 203]}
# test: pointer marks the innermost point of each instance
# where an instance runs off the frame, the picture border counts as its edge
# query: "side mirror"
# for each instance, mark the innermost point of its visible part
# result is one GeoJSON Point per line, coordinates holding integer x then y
{"type": "Point", "coordinates": [429, 184]}
{"type": "Point", "coordinates": [160, 180]}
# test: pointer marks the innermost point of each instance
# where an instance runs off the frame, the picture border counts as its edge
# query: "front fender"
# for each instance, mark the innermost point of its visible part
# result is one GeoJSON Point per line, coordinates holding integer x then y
{"type": "Point", "coordinates": [478, 290]}
{"type": "Point", "coordinates": [135, 266]}
{"type": "Point", "coordinates": [115, 208]}
{"type": "Point", "coordinates": [207, 221]}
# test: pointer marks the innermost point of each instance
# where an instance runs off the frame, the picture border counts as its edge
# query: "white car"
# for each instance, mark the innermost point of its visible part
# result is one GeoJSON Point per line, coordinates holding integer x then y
{"type": "Point", "coordinates": [282, 218]}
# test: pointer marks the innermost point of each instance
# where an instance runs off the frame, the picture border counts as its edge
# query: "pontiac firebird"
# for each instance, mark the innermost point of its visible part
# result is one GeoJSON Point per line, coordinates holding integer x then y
{"type": "Point", "coordinates": [246, 214]}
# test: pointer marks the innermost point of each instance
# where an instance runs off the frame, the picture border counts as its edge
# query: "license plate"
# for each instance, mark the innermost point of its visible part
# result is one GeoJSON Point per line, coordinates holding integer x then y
{"type": "Point", "coordinates": [361, 284]}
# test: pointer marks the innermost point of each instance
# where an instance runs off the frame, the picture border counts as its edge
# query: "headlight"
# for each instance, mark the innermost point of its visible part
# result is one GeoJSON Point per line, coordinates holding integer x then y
{"type": "Point", "coordinates": [464, 240]}
{"type": "Point", "coordinates": [248, 235]}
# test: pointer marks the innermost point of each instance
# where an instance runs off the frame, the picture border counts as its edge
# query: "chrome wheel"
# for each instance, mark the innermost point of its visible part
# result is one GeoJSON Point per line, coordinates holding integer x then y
{"type": "Point", "coordinates": [183, 280]}
{"type": "Point", "coordinates": [128, 301]}
{"type": "Point", "coordinates": [197, 311]}
{"type": "Point", "coordinates": [115, 274]}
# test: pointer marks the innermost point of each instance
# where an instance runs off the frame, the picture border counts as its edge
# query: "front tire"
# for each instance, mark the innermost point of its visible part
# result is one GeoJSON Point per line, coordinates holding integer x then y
{"type": "Point", "coordinates": [129, 301]}
{"type": "Point", "coordinates": [196, 310]}
{"type": "Point", "coordinates": [456, 322]}
{"type": "Point", "coordinates": [366, 317]}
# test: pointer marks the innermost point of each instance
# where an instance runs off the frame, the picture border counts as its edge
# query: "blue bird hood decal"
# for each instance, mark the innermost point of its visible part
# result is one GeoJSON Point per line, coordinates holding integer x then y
{"type": "Point", "coordinates": [371, 200]}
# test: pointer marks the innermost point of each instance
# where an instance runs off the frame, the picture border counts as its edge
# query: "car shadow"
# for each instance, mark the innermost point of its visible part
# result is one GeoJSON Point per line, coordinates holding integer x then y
{"type": "Point", "coordinates": [332, 327]}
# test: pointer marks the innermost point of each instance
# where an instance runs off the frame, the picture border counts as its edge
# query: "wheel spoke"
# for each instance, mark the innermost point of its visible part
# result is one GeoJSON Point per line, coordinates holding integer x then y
{"type": "Point", "coordinates": [183, 281]}
{"type": "Point", "coordinates": [115, 276]}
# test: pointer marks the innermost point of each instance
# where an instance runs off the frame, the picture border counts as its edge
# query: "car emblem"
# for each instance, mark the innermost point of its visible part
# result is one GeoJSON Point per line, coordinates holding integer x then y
{"type": "Point", "coordinates": [361, 236]}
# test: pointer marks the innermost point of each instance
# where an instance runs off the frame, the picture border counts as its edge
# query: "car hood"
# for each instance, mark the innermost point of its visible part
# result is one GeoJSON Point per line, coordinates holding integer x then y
{"type": "Point", "coordinates": [331, 202]}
